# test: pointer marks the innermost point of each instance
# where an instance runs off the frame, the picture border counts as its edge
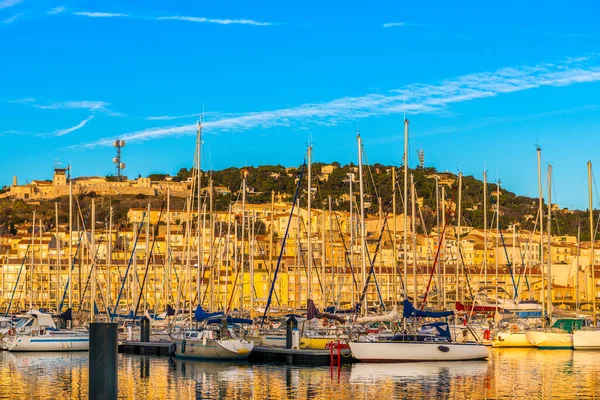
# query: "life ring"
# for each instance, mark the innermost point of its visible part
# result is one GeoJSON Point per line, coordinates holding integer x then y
{"type": "Point", "coordinates": [11, 332]}
{"type": "Point", "coordinates": [183, 347]}
{"type": "Point", "coordinates": [514, 328]}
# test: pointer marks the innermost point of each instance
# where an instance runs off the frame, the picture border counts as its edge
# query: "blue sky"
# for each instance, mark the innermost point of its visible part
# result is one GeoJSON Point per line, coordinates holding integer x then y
{"type": "Point", "coordinates": [481, 84]}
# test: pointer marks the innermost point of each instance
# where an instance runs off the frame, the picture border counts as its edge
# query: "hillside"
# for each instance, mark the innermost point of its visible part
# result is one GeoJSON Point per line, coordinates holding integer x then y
{"type": "Point", "coordinates": [329, 180]}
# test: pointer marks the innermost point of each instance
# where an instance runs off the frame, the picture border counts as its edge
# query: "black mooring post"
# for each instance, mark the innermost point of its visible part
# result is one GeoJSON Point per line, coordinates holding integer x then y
{"type": "Point", "coordinates": [145, 330]}
{"type": "Point", "coordinates": [289, 327]}
{"type": "Point", "coordinates": [103, 369]}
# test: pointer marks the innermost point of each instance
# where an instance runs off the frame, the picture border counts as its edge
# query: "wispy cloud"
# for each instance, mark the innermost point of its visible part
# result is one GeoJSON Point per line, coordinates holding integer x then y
{"type": "Point", "coordinates": [80, 125]}
{"type": "Point", "coordinates": [415, 99]}
{"type": "Point", "coordinates": [99, 14]}
{"type": "Point", "coordinates": [13, 132]}
{"type": "Point", "coordinates": [13, 18]}
{"type": "Point", "coordinates": [226, 21]}
{"type": "Point", "coordinates": [206, 20]}
{"type": "Point", "coordinates": [56, 10]}
{"type": "Point", "coordinates": [170, 117]}
{"type": "Point", "coordinates": [89, 105]}
{"type": "Point", "coordinates": [26, 100]}
{"type": "Point", "coordinates": [93, 106]}
{"type": "Point", "coordinates": [393, 24]}
{"type": "Point", "coordinates": [9, 3]}
{"type": "Point", "coordinates": [405, 24]}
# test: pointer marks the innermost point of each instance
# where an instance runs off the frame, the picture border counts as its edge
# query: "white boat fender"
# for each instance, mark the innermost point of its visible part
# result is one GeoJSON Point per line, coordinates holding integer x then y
{"type": "Point", "coordinates": [443, 349]}
{"type": "Point", "coordinates": [204, 339]}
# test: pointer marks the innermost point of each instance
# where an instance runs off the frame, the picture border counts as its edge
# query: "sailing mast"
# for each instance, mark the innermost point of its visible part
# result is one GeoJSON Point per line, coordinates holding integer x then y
{"type": "Point", "coordinates": [298, 255]}
{"type": "Point", "coordinates": [331, 263]}
{"type": "Point", "coordinates": [109, 258]}
{"type": "Point", "coordinates": [577, 297]}
{"type": "Point", "coordinates": [541, 214]}
{"type": "Point", "coordinates": [251, 259]}
{"type": "Point", "coordinates": [592, 239]}
{"type": "Point", "coordinates": [147, 259]}
{"type": "Point", "coordinates": [414, 234]}
{"type": "Point", "coordinates": [93, 266]}
{"type": "Point", "coordinates": [351, 247]}
{"type": "Point", "coordinates": [437, 217]}
{"type": "Point", "coordinates": [394, 244]}
{"type": "Point", "coordinates": [167, 291]}
{"type": "Point", "coordinates": [362, 222]}
{"type": "Point", "coordinates": [497, 232]}
{"type": "Point", "coordinates": [271, 250]}
{"type": "Point", "coordinates": [31, 265]}
{"type": "Point", "coordinates": [57, 259]}
{"type": "Point", "coordinates": [549, 308]}
{"type": "Point", "coordinates": [228, 255]}
{"type": "Point", "coordinates": [458, 217]}
{"type": "Point", "coordinates": [70, 266]}
{"type": "Point", "coordinates": [211, 261]}
{"type": "Point", "coordinates": [199, 190]}
{"type": "Point", "coordinates": [323, 258]}
{"type": "Point", "coordinates": [405, 242]}
{"type": "Point", "coordinates": [309, 229]}
{"type": "Point", "coordinates": [443, 250]}
{"type": "Point", "coordinates": [243, 250]}
{"type": "Point", "coordinates": [485, 239]}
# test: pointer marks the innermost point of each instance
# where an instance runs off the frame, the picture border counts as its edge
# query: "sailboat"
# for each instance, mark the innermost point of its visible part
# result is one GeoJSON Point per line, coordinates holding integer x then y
{"type": "Point", "coordinates": [38, 332]}
{"type": "Point", "coordinates": [560, 334]}
{"type": "Point", "coordinates": [215, 340]}
{"type": "Point", "coordinates": [526, 314]}
{"type": "Point", "coordinates": [433, 342]}
{"type": "Point", "coordinates": [589, 339]}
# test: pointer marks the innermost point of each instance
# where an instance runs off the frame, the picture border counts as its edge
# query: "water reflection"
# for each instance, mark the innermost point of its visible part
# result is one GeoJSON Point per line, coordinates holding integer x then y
{"type": "Point", "coordinates": [510, 374]}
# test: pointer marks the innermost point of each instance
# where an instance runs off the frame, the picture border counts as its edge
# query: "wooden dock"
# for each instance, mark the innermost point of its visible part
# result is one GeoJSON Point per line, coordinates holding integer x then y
{"type": "Point", "coordinates": [146, 348]}
{"type": "Point", "coordinates": [260, 354]}
{"type": "Point", "coordinates": [263, 354]}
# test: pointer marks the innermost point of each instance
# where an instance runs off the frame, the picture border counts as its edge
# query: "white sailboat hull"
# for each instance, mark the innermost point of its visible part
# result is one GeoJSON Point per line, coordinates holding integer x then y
{"type": "Point", "coordinates": [550, 340]}
{"type": "Point", "coordinates": [211, 349]}
{"type": "Point", "coordinates": [510, 339]}
{"type": "Point", "coordinates": [586, 340]}
{"type": "Point", "coordinates": [417, 351]}
{"type": "Point", "coordinates": [51, 342]}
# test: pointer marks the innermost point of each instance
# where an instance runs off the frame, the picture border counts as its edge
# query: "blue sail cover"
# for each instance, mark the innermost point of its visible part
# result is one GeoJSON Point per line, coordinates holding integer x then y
{"type": "Point", "coordinates": [201, 315]}
{"type": "Point", "coordinates": [411, 312]}
{"type": "Point", "coordinates": [441, 327]}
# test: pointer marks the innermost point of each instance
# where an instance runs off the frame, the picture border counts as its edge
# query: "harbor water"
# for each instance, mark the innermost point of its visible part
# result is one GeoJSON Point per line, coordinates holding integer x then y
{"type": "Point", "coordinates": [508, 374]}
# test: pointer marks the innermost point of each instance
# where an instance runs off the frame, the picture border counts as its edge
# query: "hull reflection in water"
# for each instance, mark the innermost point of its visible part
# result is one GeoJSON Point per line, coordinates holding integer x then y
{"type": "Point", "coordinates": [508, 374]}
{"type": "Point", "coordinates": [366, 372]}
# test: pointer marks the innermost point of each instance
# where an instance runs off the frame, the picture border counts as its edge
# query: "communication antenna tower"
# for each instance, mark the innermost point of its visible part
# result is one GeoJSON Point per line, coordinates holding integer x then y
{"type": "Point", "coordinates": [118, 144]}
{"type": "Point", "coordinates": [421, 154]}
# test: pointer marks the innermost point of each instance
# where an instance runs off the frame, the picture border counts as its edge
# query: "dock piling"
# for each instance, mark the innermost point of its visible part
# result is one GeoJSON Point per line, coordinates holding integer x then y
{"type": "Point", "coordinates": [103, 368]}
